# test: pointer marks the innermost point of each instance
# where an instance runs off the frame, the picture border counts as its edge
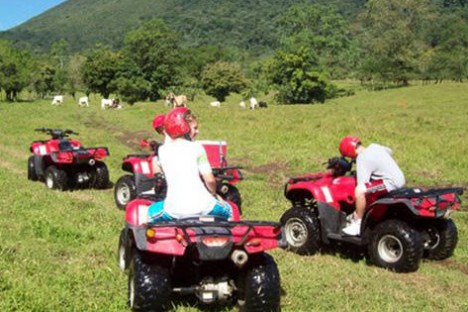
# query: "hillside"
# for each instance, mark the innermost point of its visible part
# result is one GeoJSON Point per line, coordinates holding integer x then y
{"type": "Point", "coordinates": [248, 25]}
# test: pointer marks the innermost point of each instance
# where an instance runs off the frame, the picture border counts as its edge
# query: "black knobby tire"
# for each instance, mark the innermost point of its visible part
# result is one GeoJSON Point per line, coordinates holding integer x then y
{"type": "Point", "coordinates": [125, 191]}
{"type": "Point", "coordinates": [443, 238]}
{"type": "Point", "coordinates": [231, 193]}
{"type": "Point", "coordinates": [149, 284]}
{"type": "Point", "coordinates": [55, 178]}
{"type": "Point", "coordinates": [396, 246]}
{"type": "Point", "coordinates": [302, 230]}
{"type": "Point", "coordinates": [124, 251]}
{"type": "Point", "coordinates": [260, 288]}
{"type": "Point", "coordinates": [100, 175]}
{"type": "Point", "coordinates": [32, 175]}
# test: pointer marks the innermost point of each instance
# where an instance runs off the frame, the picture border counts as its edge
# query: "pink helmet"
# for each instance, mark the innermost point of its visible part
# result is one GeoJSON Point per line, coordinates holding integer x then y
{"type": "Point", "coordinates": [158, 121]}
{"type": "Point", "coordinates": [175, 123]}
{"type": "Point", "coordinates": [348, 146]}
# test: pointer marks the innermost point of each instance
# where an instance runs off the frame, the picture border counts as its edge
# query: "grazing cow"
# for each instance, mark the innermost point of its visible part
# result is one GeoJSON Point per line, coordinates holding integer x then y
{"type": "Point", "coordinates": [106, 103]}
{"type": "Point", "coordinates": [57, 100]}
{"type": "Point", "coordinates": [176, 101]}
{"type": "Point", "coordinates": [262, 104]}
{"type": "Point", "coordinates": [253, 103]}
{"type": "Point", "coordinates": [242, 104]}
{"type": "Point", "coordinates": [83, 101]}
{"type": "Point", "coordinates": [215, 104]}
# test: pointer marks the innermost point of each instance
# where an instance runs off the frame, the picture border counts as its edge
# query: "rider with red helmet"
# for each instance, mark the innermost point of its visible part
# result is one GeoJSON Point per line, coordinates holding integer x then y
{"type": "Point", "coordinates": [158, 123]}
{"type": "Point", "coordinates": [184, 162]}
{"type": "Point", "coordinates": [377, 173]}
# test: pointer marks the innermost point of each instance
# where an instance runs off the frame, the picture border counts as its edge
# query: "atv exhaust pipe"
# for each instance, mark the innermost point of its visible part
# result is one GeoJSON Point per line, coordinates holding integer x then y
{"type": "Point", "coordinates": [239, 257]}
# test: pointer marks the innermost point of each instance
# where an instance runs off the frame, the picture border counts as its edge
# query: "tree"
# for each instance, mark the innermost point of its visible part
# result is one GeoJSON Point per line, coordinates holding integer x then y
{"type": "Point", "coordinates": [154, 49]}
{"type": "Point", "coordinates": [390, 38]}
{"type": "Point", "coordinates": [100, 69]}
{"type": "Point", "coordinates": [74, 76]}
{"type": "Point", "coordinates": [297, 77]}
{"type": "Point", "coordinates": [221, 78]}
{"type": "Point", "coordinates": [323, 30]}
{"type": "Point", "coordinates": [15, 70]}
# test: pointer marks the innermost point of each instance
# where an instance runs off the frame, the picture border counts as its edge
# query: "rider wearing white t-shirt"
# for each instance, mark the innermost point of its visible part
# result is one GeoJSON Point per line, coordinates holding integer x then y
{"type": "Point", "coordinates": [191, 185]}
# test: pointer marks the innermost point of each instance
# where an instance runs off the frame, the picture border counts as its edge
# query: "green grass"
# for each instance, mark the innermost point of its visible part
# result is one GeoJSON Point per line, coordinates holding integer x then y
{"type": "Point", "coordinates": [58, 249]}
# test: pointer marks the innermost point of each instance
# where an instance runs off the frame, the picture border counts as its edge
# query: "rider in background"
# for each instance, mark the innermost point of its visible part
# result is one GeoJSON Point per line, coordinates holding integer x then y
{"type": "Point", "coordinates": [191, 185]}
{"type": "Point", "coordinates": [377, 174]}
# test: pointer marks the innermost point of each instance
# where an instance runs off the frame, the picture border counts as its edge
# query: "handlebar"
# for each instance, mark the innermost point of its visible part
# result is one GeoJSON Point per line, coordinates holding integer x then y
{"type": "Point", "coordinates": [57, 133]}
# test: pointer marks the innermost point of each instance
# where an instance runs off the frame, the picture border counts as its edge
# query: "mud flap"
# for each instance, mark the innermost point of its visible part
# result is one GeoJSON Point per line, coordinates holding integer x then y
{"type": "Point", "coordinates": [38, 164]}
{"type": "Point", "coordinates": [331, 221]}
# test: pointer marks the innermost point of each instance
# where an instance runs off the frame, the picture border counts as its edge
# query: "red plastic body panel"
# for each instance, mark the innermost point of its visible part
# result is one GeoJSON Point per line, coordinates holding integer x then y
{"type": "Point", "coordinates": [139, 164]}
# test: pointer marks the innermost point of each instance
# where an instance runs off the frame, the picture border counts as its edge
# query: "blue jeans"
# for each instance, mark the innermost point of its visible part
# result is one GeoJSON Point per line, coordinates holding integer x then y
{"type": "Point", "coordinates": [156, 211]}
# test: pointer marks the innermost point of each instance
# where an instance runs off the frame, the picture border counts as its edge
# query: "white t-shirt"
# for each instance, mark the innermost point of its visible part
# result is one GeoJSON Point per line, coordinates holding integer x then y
{"type": "Point", "coordinates": [376, 163]}
{"type": "Point", "coordinates": [182, 162]}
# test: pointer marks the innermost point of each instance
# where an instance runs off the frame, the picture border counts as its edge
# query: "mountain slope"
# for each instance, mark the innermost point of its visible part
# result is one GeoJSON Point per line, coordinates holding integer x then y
{"type": "Point", "coordinates": [245, 24]}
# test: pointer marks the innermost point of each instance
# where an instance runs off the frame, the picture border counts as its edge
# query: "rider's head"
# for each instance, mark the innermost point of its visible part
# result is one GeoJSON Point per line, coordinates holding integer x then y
{"type": "Point", "coordinates": [348, 146]}
{"type": "Point", "coordinates": [158, 123]}
{"type": "Point", "coordinates": [180, 122]}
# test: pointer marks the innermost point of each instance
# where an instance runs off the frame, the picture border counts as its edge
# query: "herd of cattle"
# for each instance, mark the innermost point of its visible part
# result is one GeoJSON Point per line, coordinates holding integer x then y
{"type": "Point", "coordinates": [171, 100]}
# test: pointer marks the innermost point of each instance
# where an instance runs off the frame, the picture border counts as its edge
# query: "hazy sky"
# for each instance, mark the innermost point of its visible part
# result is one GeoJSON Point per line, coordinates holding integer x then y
{"type": "Point", "coordinates": [15, 12]}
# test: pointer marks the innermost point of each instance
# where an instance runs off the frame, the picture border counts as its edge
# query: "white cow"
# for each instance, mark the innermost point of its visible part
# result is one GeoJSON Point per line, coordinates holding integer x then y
{"type": "Point", "coordinates": [106, 103]}
{"type": "Point", "coordinates": [253, 103]}
{"type": "Point", "coordinates": [57, 100]}
{"type": "Point", "coordinates": [215, 104]}
{"type": "Point", "coordinates": [242, 104]}
{"type": "Point", "coordinates": [83, 101]}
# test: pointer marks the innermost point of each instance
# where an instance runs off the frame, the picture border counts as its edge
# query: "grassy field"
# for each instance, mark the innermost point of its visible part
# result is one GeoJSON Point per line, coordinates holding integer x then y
{"type": "Point", "coordinates": [58, 249]}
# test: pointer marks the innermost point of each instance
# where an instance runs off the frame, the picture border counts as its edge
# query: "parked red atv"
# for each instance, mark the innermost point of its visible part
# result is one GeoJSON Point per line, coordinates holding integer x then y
{"type": "Point", "coordinates": [141, 181]}
{"type": "Point", "coordinates": [212, 258]}
{"type": "Point", "coordinates": [397, 229]}
{"type": "Point", "coordinates": [62, 162]}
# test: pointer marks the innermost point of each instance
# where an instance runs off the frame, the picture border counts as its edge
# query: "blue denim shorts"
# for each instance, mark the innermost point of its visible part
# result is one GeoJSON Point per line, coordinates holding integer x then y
{"type": "Point", "coordinates": [156, 211]}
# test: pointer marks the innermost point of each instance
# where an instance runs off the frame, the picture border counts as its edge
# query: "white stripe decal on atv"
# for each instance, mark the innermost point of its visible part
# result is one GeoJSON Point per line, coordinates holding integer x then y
{"type": "Point", "coordinates": [142, 214]}
{"type": "Point", "coordinates": [145, 167]}
{"type": "Point", "coordinates": [42, 150]}
{"type": "Point", "coordinates": [326, 192]}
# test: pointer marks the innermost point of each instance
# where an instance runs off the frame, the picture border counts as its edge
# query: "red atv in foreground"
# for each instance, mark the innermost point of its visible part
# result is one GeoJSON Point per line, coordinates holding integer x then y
{"type": "Point", "coordinates": [63, 163]}
{"type": "Point", "coordinates": [214, 259]}
{"type": "Point", "coordinates": [141, 180]}
{"type": "Point", "coordinates": [397, 229]}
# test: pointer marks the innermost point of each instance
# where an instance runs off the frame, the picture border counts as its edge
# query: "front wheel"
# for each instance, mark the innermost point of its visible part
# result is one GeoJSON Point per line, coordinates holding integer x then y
{"type": "Point", "coordinates": [231, 193]}
{"type": "Point", "coordinates": [396, 246]}
{"type": "Point", "coordinates": [125, 191]}
{"type": "Point", "coordinates": [440, 239]}
{"type": "Point", "coordinates": [149, 284]}
{"type": "Point", "coordinates": [302, 231]}
{"type": "Point", "coordinates": [260, 288]}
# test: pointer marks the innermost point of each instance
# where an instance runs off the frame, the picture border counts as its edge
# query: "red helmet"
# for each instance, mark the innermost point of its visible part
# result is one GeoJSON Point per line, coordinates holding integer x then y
{"type": "Point", "coordinates": [158, 121]}
{"type": "Point", "coordinates": [348, 146]}
{"type": "Point", "coordinates": [175, 124]}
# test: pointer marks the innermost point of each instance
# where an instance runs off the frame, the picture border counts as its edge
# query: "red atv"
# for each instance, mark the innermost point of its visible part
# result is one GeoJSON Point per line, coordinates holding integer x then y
{"type": "Point", "coordinates": [62, 162]}
{"type": "Point", "coordinates": [141, 181]}
{"type": "Point", "coordinates": [397, 229]}
{"type": "Point", "coordinates": [214, 259]}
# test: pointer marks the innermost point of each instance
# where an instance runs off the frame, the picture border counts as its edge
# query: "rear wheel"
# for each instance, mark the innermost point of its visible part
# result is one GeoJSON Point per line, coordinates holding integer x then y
{"type": "Point", "coordinates": [149, 284]}
{"type": "Point", "coordinates": [56, 178]}
{"type": "Point", "coordinates": [440, 238]}
{"type": "Point", "coordinates": [124, 191]}
{"type": "Point", "coordinates": [396, 246]}
{"type": "Point", "coordinates": [100, 175]}
{"type": "Point", "coordinates": [302, 230]}
{"type": "Point", "coordinates": [32, 169]}
{"type": "Point", "coordinates": [260, 288]}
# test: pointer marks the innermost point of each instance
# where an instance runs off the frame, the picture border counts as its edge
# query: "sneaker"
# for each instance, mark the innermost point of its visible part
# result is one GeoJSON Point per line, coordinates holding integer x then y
{"type": "Point", "coordinates": [353, 228]}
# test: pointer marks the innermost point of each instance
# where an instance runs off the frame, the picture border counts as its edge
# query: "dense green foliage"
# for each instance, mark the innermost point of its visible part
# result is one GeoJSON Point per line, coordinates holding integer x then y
{"type": "Point", "coordinates": [289, 48]}
{"type": "Point", "coordinates": [58, 250]}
